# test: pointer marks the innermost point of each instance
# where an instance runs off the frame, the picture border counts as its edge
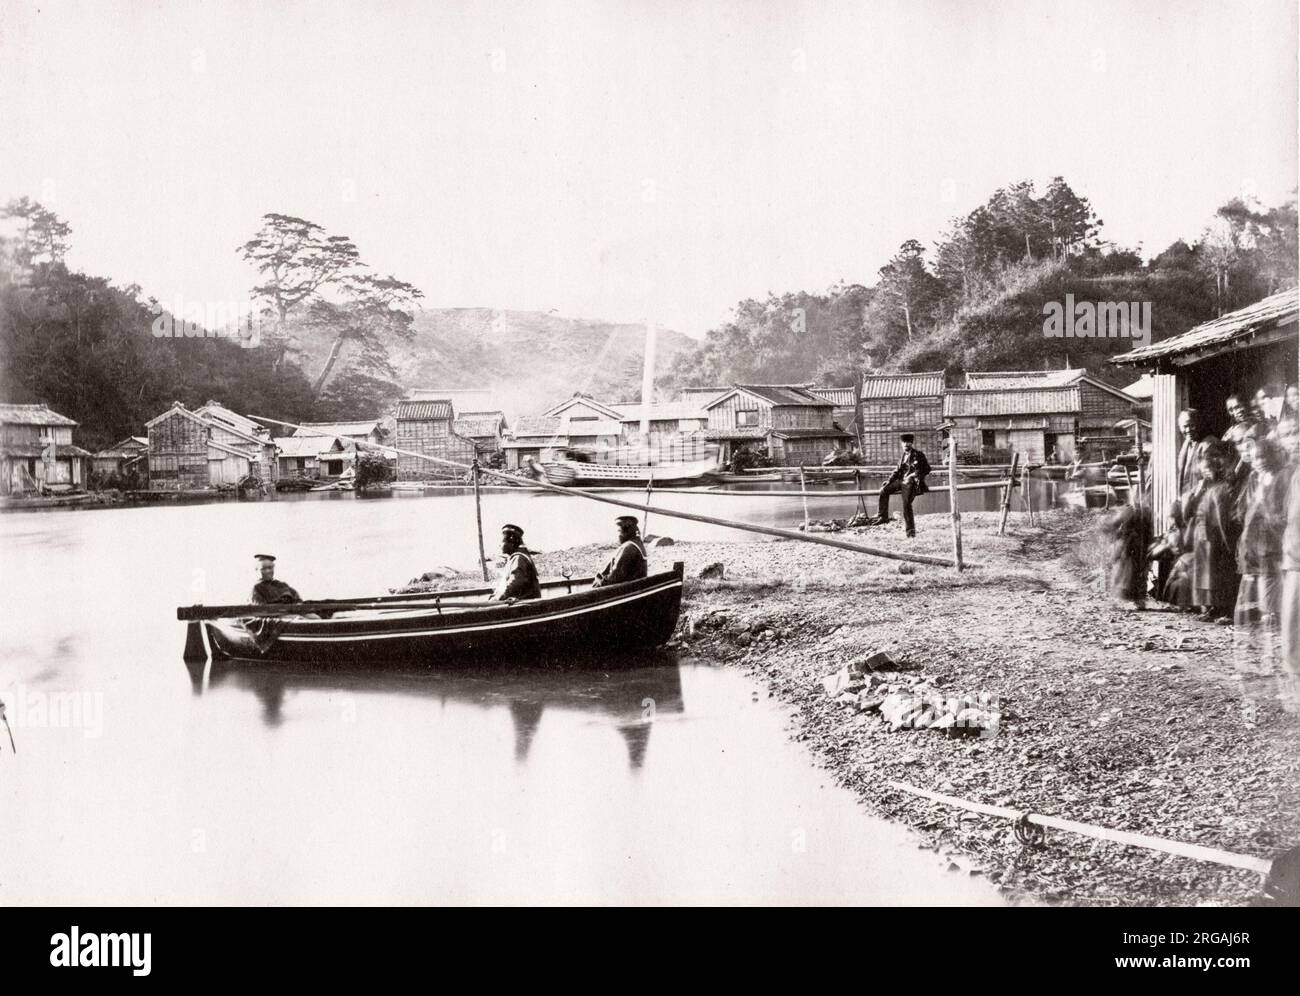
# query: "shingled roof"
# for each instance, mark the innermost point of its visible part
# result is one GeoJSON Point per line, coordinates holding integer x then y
{"type": "Point", "coordinates": [928, 384]}
{"type": "Point", "coordinates": [996, 380]}
{"type": "Point", "coordinates": [777, 394]}
{"type": "Point", "coordinates": [408, 410]}
{"type": "Point", "coordinates": [1270, 315]}
{"type": "Point", "coordinates": [1042, 401]}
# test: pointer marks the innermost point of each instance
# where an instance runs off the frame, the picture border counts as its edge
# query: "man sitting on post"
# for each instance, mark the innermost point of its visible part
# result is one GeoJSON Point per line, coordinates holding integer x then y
{"type": "Point", "coordinates": [908, 479]}
{"type": "Point", "coordinates": [629, 561]}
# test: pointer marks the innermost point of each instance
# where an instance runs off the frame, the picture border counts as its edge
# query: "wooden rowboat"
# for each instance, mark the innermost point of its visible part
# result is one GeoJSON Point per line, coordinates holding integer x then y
{"type": "Point", "coordinates": [446, 627]}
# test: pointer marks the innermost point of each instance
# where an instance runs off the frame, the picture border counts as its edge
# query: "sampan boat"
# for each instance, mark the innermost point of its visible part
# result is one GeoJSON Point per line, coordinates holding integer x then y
{"type": "Point", "coordinates": [443, 628]}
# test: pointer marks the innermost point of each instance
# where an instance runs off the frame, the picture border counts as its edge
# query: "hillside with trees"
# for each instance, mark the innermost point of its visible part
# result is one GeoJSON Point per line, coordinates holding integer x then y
{"type": "Point", "coordinates": [975, 301]}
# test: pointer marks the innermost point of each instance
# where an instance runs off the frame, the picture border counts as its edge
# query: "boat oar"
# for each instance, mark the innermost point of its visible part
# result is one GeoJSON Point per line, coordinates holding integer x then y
{"type": "Point", "coordinates": [193, 613]}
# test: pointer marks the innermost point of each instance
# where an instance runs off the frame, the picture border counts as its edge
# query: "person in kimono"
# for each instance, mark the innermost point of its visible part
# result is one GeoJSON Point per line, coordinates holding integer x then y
{"type": "Point", "coordinates": [1259, 555]}
{"type": "Point", "coordinates": [1214, 538]}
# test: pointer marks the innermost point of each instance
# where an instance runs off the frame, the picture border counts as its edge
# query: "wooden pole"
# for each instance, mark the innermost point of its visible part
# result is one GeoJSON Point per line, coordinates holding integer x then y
{"type": "Point", "coordinates": [649, 489]}
{"type": "Point", "coordinates": [1006, 497]}
{"type": "Point", "coordinates": [803, 488]}
{"type": "Point", "coordinates": [478, 515]}
{"type": "Point", "coordinates": [1142, 477]}
{"type": "Point", "coordinates": [952, 498]}
{"type": "Point", "coordinates": [794, 534]}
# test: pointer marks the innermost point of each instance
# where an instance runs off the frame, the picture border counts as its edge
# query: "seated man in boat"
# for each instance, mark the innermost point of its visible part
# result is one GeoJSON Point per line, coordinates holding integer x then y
{"type": "Point", "coordinates": [519, 575]}
{"type": "Point", "coordinates": [629, 560]}
{"type": "Point", "coordinates": [269, 591]}
{"type": "Point", "coordinates": [907, 479]}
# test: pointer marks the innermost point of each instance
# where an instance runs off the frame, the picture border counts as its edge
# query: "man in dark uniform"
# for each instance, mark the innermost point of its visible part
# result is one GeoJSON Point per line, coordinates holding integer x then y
{"type": "Point", "coordinates": [629, 560]}
{"type": "Point", "coordinates": [519, 575]}
{"type": "Point", "coordinates": [908, 479]}
{"type": "Point", "coordinates": [269, 591]}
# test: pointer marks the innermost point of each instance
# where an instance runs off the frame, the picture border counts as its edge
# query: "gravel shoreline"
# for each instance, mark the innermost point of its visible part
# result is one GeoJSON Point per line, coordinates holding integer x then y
{"type": "Point", "coordinates": [1126, 720]}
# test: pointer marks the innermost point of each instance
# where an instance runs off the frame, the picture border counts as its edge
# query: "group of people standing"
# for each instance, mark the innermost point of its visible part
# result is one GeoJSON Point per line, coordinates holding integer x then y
{"type": "Point", "coordinates": [1232, 551]}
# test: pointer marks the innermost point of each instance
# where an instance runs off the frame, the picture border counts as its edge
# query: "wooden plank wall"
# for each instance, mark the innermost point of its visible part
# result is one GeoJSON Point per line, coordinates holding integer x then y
{"type": "Point", "coordinates": [1167, 400]}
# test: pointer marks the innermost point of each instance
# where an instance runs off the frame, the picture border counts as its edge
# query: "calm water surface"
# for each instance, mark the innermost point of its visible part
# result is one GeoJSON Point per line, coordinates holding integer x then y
{"type": "Point", "coordinates": [139, 781]}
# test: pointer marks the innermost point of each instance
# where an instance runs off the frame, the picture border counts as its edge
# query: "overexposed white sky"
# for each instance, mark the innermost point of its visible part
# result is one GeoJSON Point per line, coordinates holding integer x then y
{"type": "Point", "coordinates": [625, 160]}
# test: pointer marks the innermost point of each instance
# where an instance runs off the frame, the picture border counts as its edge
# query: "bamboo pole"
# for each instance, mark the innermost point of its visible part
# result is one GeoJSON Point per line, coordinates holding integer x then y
{"type": "Point", "coordinates": [1175, 847]}
{"type": "Point", "coordinates": [711, 520]}
{"type": "Point", "coordinates": [952, 500]}
{"type": "Point", "coordinates": [478, 516]}
{"type": "Point", "coordinates": [1006, 495]}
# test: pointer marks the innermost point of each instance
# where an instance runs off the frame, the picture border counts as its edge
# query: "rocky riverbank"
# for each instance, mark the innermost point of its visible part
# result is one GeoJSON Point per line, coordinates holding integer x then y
{"type": "Point", "coordinates": [1128, 720]}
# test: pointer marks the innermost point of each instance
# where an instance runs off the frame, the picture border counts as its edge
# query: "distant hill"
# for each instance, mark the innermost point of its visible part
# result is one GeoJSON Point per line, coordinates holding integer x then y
{"type": "Point", "coordinates": [528, 359]}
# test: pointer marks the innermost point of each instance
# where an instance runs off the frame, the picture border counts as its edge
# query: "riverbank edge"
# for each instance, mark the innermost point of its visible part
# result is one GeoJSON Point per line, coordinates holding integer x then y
{"type": "Point", "coordinates": [1126, 720]}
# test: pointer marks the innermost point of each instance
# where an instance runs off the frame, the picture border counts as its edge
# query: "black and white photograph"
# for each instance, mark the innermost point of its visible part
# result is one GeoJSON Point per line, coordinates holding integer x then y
{"type": "Point", "coordinates": [475, 453]}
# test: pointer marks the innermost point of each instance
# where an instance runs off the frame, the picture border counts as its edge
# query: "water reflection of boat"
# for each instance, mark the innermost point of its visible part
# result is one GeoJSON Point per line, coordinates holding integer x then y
{"type": "Point", "coordinates": [445, 629]}
{"type": "Point", "coordinates": [629, 699]}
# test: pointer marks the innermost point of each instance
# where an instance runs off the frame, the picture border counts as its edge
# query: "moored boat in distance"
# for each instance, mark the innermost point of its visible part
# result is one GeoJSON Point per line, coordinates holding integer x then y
{"type": "Point", "coordinates": [627, 468]}
{"type": "Point", "coordinates": [443, 628]}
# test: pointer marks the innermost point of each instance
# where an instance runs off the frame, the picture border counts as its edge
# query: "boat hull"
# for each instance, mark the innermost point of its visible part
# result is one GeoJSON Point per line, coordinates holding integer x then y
{"type": "Point", "coordinates": [633, 616]}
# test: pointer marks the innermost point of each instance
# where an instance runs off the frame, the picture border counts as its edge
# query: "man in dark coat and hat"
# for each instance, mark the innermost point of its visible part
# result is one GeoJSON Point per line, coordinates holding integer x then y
{"type": "Point", "coordinates": [519, 575]}
{"type": "Point", "coordinates": [908, 479]}
{"type": "Point", "coordinates": [629, 560]}
{"type": "Point", "coordinates": [269, 591]}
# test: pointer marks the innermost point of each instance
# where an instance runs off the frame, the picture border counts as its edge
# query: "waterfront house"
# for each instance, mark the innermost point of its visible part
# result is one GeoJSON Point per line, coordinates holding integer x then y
{"type": "Point", "coordinates": [189, 451]}
{"type": "Point", "coordinates": [1042, 414]}
{"type": "Point", "coordinates": [789, 422]}
{"type": "Point", "coordinates": [529, 437]}
{"type": "Point", "coordinates": [485, 429]}
{"type": "Point", "coordinates": [1233, 354]}
{"type": "Point", "coordinates": [428, 427]}
{"type": "Point", "coordinates": [37, 452]}
{"type": "Point", "coordinates": [674, 431]}
{"type": "Point", "coordinates": [368, 430]}
{"type": "Point", "coordinates": [123, 457]}
{"type": "Point", "coordinates": [313, 456]}
{"type": "Point", "coordinates": [893, 404]}
{"type": "Point", "coordinates": [358, 434]}
{"type": "Point", "coordinates": [587, 423]}
{"type": "Point", "coordinates": [243, 434]}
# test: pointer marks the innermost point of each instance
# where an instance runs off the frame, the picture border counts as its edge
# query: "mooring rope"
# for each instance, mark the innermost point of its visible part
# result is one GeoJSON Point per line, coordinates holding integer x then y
{"type": "Point", "coordinates": [817, 538]}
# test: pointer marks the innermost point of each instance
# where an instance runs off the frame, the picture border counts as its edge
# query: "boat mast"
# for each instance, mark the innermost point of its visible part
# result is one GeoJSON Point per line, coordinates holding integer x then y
{"type": "Point", "coordinates": [647, 382]}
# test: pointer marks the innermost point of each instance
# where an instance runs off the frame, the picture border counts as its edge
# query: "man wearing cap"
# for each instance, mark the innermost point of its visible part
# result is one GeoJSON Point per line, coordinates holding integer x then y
{"type": "Point", "coordinates": [519, 575]}
{"type": "Point", "coordinates": [269, 591]}
{"type": "Point", "coordinates": [908, 479]}
{"type": "Point", "coordinates": [629, 561]}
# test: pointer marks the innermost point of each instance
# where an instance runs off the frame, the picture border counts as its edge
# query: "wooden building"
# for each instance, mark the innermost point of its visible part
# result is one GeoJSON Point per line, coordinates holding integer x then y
{"type": "Point", "coordinates": [192, 452]}
{"type": "Point", "coordinates": [123, 457]}
{"type": "Point", "coordinates": [368, 430]}
{"type": "Point", "coordinates": [893, 404]}
{"type": "Point", "coordinates": [674, 431]}
{"type": "Point", "coordinates": [313, 457]}
{"type": "Point", "coordinates": [485, 429]}
{"type": "Point", "coordinates": [1233, 354]}
{"type": "Point", "coordinates": [791, 424]}
{"type": "Point", "coordinates": [245, 435]}
{"type": "Point", "coordinates": [428, 427]}
{"type": "Point", "coordinates": [588, 423]}
{"type": "Point", "coordinates": [37, 452]}
{"type": "Point", "coordinates": [530, 436]}
{"type": "Point", "coordinates": [1040, 414]}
